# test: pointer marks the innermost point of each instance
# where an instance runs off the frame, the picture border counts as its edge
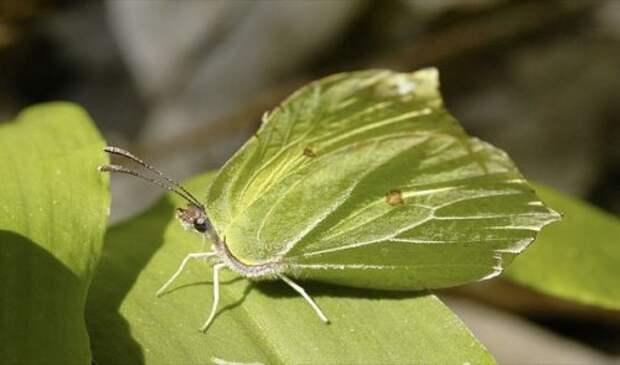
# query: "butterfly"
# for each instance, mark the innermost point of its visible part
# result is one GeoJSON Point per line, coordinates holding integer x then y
{"type": "Point", "coordinates": [361, 179]}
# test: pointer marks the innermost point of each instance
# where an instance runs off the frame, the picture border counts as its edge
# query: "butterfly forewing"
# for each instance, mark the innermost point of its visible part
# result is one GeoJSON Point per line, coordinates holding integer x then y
{"type": "Point", "coordinates": [364, 179]}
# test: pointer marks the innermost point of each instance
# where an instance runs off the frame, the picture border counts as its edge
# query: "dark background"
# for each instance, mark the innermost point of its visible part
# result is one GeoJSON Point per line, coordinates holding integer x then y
{"type": "Point", "coordinates": [184, 83]}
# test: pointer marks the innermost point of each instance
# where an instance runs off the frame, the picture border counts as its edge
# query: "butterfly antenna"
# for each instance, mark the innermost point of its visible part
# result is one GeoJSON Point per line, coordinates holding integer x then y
{"type": "Point", "coordinates": [125, 170]}
{"type": "Point", "coordinates": [121, 152]}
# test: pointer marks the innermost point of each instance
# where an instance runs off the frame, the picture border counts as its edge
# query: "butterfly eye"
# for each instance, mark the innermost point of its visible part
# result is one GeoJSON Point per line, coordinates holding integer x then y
{"type": "Point", "coordinates": [201, 225]}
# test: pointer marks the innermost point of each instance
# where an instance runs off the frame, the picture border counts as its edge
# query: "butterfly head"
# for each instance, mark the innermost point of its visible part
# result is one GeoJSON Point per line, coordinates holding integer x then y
{"type": "Point", "coordinates": [193, 217]}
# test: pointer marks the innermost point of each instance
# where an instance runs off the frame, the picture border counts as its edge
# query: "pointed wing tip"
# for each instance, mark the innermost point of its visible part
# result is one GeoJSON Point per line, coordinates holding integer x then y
{"type": "Point", "coordinates": [427, 80]}
{"type": "Point", "coordinates": [429, 72]}
{"type": "Point", "coordinates": [555, 215]}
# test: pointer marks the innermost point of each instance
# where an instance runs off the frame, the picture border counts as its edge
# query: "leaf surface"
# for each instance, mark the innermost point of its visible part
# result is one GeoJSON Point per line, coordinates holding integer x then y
{"type": "Point", "coordinates": [261, 322]}
{"type": "Point", "coordinates": [577, 259]}
{"type": "Point", "coordinates": [53, 209]}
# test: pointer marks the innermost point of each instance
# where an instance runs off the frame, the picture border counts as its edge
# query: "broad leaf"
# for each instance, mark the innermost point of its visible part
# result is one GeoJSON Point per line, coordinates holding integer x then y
{"type": "Point", "coordinates": [576, 259]}
{"type": "Point", "coordinates": [54, 204]}
{"type": "Point", "coordinates": [257, 322]}
{"type": "Point", "coordinates": [364, 179]}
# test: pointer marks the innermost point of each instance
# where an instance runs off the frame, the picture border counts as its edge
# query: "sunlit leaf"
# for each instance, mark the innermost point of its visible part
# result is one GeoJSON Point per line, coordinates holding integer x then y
{"type": "Point", "coordinates": [53, 209]}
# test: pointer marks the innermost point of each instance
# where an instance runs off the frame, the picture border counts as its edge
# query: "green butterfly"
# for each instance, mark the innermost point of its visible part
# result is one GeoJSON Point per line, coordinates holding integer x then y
{"type": "Point", "coordinates": [362, 179]}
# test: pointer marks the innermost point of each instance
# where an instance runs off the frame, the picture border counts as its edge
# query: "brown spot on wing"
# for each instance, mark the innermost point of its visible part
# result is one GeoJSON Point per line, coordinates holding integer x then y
{"type": "Point", "coordinates": [309, 152]}
{"type": "Point", "coordinates": [394, 197]}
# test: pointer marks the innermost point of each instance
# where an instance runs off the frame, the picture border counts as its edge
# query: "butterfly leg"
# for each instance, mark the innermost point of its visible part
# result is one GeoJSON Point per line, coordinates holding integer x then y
{"type": "Point", "coordinates": [182, 266]}
{"type": "Point", "coordinates": [303, 293]}
{"type": "Point", "coordinates": [216, 295]}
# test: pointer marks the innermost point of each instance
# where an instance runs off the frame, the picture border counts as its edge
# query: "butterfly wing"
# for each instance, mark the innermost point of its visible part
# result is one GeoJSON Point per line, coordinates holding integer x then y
{"type": "Point", "coordinates": [364, 179]}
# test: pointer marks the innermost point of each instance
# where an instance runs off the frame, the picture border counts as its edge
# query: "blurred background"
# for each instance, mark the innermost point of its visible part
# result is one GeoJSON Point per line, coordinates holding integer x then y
{"type": "Point", "coordinates": [184, 83]}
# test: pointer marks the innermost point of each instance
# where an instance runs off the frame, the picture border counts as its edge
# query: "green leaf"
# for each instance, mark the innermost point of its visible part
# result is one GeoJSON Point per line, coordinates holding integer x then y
{"type": "Point", "coordinates": [257, 322]}
{"type": "Point", "coordinates": [577, 259]}
{"type": "Point", "coordinates": [53, 209]}
{"type": "Point", "coordinates": [364, 179]}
